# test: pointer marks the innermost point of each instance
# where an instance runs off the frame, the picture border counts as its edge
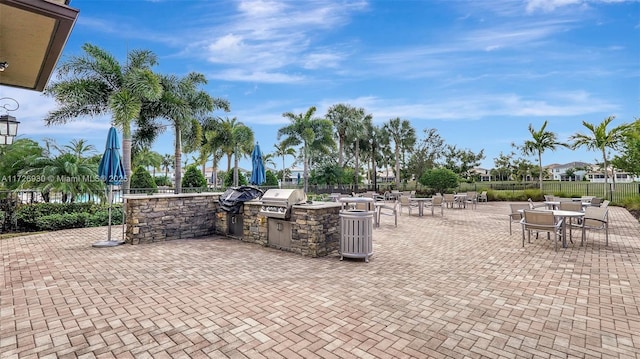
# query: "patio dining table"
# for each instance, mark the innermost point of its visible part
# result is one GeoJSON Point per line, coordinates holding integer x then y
{"type": "Point", "coordinates": [564, 215]}
{"type": "Point", "coordinates": [460, 199]}
{"type": "Point", "coordinates": [421, 201]}
{"type": "Point", "coordinates": [556, 204]}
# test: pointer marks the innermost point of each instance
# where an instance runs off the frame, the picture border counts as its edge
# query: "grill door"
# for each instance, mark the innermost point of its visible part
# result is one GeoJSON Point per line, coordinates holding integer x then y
{"type": "Point", "coordinates": [235, 222]}
{"type": "Point", "coordinates": [279, 233]}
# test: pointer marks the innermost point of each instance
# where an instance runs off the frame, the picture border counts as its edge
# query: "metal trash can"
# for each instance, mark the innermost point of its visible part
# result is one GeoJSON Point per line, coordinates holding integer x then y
{"type": "Point", "coordinates": [356, 226]}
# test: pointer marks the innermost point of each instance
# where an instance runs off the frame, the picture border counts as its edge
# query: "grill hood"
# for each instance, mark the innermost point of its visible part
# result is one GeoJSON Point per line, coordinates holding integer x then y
{"type": "Point", "coordinates": [277, 202]}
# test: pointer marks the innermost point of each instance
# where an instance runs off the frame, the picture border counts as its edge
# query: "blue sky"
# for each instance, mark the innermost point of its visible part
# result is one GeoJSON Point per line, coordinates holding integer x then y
{"type": "Point", "coordinates": [478, 71]}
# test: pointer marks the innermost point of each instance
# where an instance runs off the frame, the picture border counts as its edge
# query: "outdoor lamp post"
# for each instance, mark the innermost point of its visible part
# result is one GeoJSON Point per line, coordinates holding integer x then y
{"type": "Point", "coordinates": [8, 124]}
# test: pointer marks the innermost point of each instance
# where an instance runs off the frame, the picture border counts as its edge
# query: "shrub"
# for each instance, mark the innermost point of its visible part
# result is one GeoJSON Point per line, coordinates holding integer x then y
{"type": "Point", "coordinates": [54, 222]}
{"type": "Point", "coordinates": [193, 178]}
{"type": "Point", "coordinates": [141, 179]}
{"type": "Point", "coordinates": [162, 181]}
{"type": "Point", "coordinates": [228, 179]}
{"type": "Point", "coordinates": [101, 217]}
{"type": "Point", "coordinates": [27, 215]}
{"type": "Point", "coordinates": [440, 179]}
{"type": "Point", "coordinates": [271, 179]}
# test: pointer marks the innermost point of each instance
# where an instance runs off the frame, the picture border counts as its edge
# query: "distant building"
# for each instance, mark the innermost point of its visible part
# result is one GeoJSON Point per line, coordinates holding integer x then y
{"type": "Point", "coordinates": [483, 174]}
{"type": "Point", "coordinates": [386, 175]}
{"type": "Point", "coordinates": [621, 177]}
{"type": "Point", "coordinates": [559, 171]}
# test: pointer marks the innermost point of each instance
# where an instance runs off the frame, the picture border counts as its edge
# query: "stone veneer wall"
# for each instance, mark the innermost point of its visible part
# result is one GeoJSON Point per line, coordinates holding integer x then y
{"type": "Point", "coordinates": [315, 228]}
{"type": "Point", "coordinates": [163, 217]}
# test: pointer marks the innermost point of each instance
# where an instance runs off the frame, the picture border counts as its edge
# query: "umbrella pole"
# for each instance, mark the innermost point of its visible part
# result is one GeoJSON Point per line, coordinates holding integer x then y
{"type": "Point", "coordinates": [110, 203]}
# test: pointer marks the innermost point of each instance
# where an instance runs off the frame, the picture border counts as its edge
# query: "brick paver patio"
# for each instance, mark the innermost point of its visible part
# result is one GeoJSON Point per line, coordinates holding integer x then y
{"type": "Point", "coordinates": [454, 286]}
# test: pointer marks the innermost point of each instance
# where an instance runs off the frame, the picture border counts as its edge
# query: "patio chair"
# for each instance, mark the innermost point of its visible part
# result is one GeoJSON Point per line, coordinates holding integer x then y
{"type": "Point", "coordinates": [533, 205]}
{"type": "Point", "coordinates": [436, 201]}
{"type": "Point", "coordinates": [516, 213]}
{"type": "Point", "coordinates": [390, 209]}
{"type": "Point", "coordinates": [570, 206]}
{"type": "Point", "coordinates": [595, 218]}
{"type": "Point", "coordinates": [406, 202]}
{"type": "Point", "coordinates": [483, 197]}
{"type": "Point", "coordinates": [595, 201]}
{"type": "Point", "coordinates": [605, 204]}
{"type": "Point", "coordinates": [540, 221]}
{"type": "Point", "coordinates": [472, 199]}
{"type": "Point", "coordinates": [448, 199]}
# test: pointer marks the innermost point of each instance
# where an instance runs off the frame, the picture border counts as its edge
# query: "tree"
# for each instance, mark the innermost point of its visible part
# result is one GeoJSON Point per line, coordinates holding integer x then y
{"type": "Point", "coordinates": [141, 179]}
{"type": "Point", "coordinates": [427, 152]}
{"type": "Point", "coordinates": [15, 158]}
{"type": "Point", "coordinates": [503, 166]}
{"type": "Point", "coordinates": [541, 141]}
{"type": "Point", "coordinates": [461, 161]}
{"type": "Point", "coordinates": [148, 159]}
{"type": "Point", "coordinates": [341, 116]}
{"type": "Point", "coordinates": [243, 139]}
{"type": "Point", "coordinates": [283, 150]}
{"type": "Point", "coordinates": [166, 163]}
{"type": "Point", "coordinates": [73, 170]}
{"type": "Point", "coordinates": [440, 179]}
{"type": "Point", "coordinates": [96, 83]}
{"type": "Point", "coordinates": [312, 133]}
{"type": "Point", "coordinates": [193, 178]}
{"type": "Point", "coordinates": [270, 179]}
{"type": "Point", "coordinates": [357, 131]}
{"type": "Point", "coordinates": [629, 158]}
{"type": "Point", "coordinates": [182, 103]}
{"type": "Point", "coordinates": [403, 136]}
{"type": "Point", "coordinates": [599, 139]}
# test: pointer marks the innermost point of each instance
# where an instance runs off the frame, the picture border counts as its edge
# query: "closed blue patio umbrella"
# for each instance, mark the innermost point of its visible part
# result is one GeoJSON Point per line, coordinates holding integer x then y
{"type": "Point", "coordinates": [257, 170]}
{"type": "Point", "coordinates": [111, 171]}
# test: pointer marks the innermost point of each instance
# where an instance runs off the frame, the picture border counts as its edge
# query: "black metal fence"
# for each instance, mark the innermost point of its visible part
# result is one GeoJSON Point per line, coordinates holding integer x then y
{"type": "Point", "coordinates": [618, 192]}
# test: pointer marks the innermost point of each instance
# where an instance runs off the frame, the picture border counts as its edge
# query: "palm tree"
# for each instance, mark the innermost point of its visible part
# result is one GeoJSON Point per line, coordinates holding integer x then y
{"type": "Point", "coordinates": [600, 140]}
{"type": "Point", "coordinates": [355, 132]}
{"type": "Point", "coordinates": [96, 83]}
{"type": "Point", "coordinates": [340, 115]}
{"type": "Point", "coordinates": [69, 172]}
{"type": "Point", "coordinates": [243, 139]}
{"type": "Point", "coordinates": [148, 158]}
{"type": "Point", "coordinates": [166, 163]}
{"type": "Point", "coordinates": [182, 103]}
{"type": "Point", "coordinates": [229, 129]}
{"type": "Point", "coordinates": [283, 149]}
{"type": "Point", "coordinates": [267, 159]}
{"type": "Point", "coordinates": [541, 141]}
{"type": "Point", "coordinates": [311, 133]}
{"type": "Point", "coordinates": [403, 136]}
{"type": "Point", "coordinates": [214, 140]}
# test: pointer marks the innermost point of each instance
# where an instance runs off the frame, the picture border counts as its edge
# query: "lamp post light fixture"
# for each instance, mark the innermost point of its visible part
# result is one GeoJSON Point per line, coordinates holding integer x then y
{"type": "Point", "coordinates": [8, 123]}
{"type": "Point", "coordinates": [8, 129]}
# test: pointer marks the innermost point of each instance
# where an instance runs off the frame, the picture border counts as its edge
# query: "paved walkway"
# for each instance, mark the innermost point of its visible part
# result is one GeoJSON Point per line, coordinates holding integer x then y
{"type": "Point", "coordinates": [454, 286]}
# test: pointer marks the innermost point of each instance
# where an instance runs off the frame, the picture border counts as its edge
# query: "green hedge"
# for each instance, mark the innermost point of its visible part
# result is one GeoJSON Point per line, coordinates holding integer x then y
{"type": "Point", "coordinates": [55, 216]}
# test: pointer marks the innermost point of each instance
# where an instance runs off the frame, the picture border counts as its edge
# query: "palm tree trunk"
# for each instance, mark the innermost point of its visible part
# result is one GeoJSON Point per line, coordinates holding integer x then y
{"type": "Point", "coordinates": [305, 171]}
{"type": "Point", "coordinates": [178, 165]}
{"type": "Point", "coordinates": [357, 171]}
{"type": "Point", "coordinates": [397, 167]}
{"type": "Point", "coordinates": [126, 159]}
{"type": "Point", "coordinates": [606, 173]}
{"type": "Point", "coordinates": [341, 151]}
{"type": "Point", "coordinates": [540, 168]}
{"type": "Point", "coordinates": [235, 167]}
{"type": "Point", "coordinates": [282, 184]}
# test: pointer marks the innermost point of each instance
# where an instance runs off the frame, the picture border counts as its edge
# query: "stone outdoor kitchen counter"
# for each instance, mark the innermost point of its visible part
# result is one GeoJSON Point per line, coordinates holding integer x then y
{"type": "Point", "coordinates": [315, 228]}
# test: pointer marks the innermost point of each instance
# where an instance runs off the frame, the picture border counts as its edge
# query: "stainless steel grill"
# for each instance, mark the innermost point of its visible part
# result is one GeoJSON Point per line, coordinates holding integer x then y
{"type": "Point", "coordinates": [276, 203]}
